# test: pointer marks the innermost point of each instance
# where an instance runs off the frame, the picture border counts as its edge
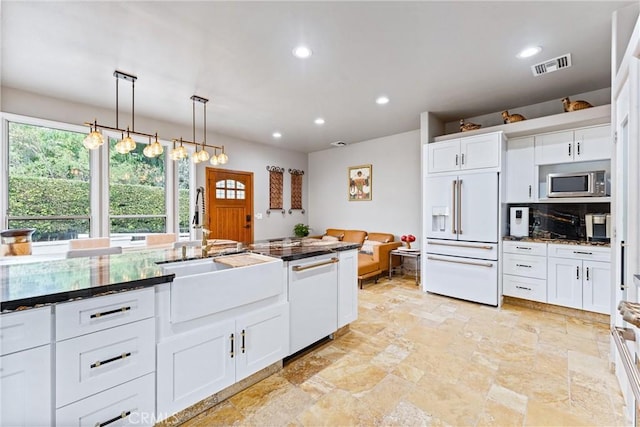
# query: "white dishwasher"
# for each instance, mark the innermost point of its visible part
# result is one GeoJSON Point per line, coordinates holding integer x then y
{"type": "Point", "coordinates": [313, 299]}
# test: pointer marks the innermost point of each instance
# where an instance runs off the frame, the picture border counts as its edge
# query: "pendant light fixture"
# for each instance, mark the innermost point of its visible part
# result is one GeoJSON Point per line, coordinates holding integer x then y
{"type": "Point", "coordinates": [126, 144]}
{"type": "Point", "coordinates": [202, 155]}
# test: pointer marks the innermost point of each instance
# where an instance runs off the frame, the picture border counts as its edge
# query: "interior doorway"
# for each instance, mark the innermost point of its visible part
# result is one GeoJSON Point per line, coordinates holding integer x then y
{"type": "Point", "coordinates": [229, 204]}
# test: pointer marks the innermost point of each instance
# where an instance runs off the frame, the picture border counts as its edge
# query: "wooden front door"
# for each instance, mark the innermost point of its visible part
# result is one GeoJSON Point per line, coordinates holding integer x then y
{"type": "Point", "coordinates": [230, 205]}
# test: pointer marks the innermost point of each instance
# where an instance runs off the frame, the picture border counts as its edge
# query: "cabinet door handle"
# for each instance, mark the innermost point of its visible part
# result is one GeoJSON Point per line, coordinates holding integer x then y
{"type": "Point", "coordinates": [123, 415]}
{"type": "Point", "coordinates": [462, 157]}
{"type": "Point", "coordinates": [523, 265]}
{"type": "Point", "coordinates": [523, 288]}
{"type": "Point", "coordinates": [456, 160]}
{"type": "Point", "coordinates": [477, 264]}
{"type": "Point", "coordinates": [578, 150]}
{"type": "Point", "coordinates": [112, 359]}
{"type": "Point", "coordinates": [569, 149]}
{"type": "Point", "coordinates": [622, 246]}
{"type": "Point", "coordinates": [242, 347]}
{"type": "Point", "coordinates": [587, 273]}
{"type": "Point", "coordinates": [106, 313]}
{"type": "Point", "coordinates": [529, 190]}
{"type": "Point", "coordinates": [231, 353]}
{"type": "Point", "coordinates": [578, 273]}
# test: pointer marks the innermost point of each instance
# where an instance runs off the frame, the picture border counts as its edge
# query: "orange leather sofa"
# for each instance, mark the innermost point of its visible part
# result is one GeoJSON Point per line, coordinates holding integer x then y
{"type": "Point", "coordinates": [373, 258]}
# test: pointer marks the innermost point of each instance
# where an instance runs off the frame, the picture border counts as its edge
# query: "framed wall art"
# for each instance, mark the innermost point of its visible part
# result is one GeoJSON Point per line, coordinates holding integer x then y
{"type": "Point", "coordinates": [359, 178]}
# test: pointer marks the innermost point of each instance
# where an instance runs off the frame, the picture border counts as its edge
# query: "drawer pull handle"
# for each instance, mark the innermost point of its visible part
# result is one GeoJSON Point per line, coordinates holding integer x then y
{"type": "Point", "coordinates": [124, 414]}
{"type": "Point", "coordinates": [523, 288]}
{"type": "Point", "coordinates": [582, 253]}
{"type": "Point", "coordinates": [477, 264]}
{"type": "Point", "coordinates": [587, 273]}
{"type": "Point", "coordinates": [523, 247]}
{"type": "Point", "coordinates": [113, 359]}
{"type": "Point", "coordinates": [578, 273]}
{"type": "Point", "coordinates": [320, 264]}
{"type": "Point", "coordinates": [106, 313]}
{"type": "Point", "coordinates": [242, 347]}
{"type": "Point", "coordinates": [523, 265]}
{"type": "Point", "coordinates": [487, 247]}
{"type": "Point", "coordinates": [232, 354]}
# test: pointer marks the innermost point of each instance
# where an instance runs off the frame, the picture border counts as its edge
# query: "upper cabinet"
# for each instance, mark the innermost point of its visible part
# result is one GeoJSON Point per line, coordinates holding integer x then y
{"type": "Point", "coordinates": [474, 152]}
{"type": "Point", "coordinates": [520, 182]}
{"type": "Point", "coordinates": [580, 145]}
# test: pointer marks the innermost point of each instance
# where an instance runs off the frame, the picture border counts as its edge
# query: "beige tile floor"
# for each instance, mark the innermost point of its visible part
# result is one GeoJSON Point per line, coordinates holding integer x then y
{"type": "Point", "coordinates": [414, 359]}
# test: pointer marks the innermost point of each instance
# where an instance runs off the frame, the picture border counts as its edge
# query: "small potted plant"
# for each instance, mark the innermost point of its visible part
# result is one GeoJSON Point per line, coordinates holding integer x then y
{"type": "Point", "coordinates": [408, 239]}
{"type": "Point", "coordinates": [301, 230]}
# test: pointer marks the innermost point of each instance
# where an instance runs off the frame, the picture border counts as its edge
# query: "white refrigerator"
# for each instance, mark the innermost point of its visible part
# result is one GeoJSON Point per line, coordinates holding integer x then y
{"type": "Point", "coordinates": [462, 236]}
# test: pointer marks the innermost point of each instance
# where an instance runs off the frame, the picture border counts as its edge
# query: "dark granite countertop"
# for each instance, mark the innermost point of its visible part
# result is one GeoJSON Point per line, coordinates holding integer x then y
{"type": "Point", "coordinates": [555, 241]}
{"type": "Point", "coordinates": [32, 284]}
{"type": "Point", "coordinates": [291, 249]}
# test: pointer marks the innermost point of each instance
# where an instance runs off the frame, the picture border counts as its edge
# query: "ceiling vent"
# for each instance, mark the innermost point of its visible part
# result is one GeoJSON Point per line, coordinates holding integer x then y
{"type": "Point", "coordinates": [554, 64]}
{"type": "Point", "coordinates": [339, 144]}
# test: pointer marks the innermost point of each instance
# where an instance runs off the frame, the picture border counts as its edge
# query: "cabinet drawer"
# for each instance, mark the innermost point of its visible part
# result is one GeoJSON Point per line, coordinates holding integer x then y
{"type": "Point", "coordinates": [524, 287]}
{"type": "Point", "coordinates": [583, 252]}
{"type": "Point", "coordinates": [91, 363]}
{"type": "Point", "coordinates": [25, 329]}
{"type": "Point", "coordinates": [525, 265]}
{"type": "Point", "coordinates": [95, 314]}
{"type": "Point", "coordinates": [132, 403]}
{"type": "Point", "coordinates": [525, 248]}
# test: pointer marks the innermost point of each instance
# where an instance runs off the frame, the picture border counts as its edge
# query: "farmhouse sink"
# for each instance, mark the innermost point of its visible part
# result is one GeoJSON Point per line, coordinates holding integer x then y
{"type": "Point", "coordinates": [213, 285]}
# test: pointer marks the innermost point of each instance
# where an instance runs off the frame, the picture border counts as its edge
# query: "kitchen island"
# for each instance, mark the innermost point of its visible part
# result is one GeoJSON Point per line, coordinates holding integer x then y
{"type": "Point", "coordinates": [124, 324]}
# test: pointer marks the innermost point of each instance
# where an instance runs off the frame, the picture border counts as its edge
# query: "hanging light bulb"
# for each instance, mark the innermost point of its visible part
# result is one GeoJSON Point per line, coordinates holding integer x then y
{"type": "Point", "coordinates": [148, 150]}
{"type": "Point", "coordinates": [222, 157]}
{"type": "Point", "coordinates": [121, 146]}
{"type": "Point", "coordinates": [196, 156]}
{"type": "Point", "coordinates": [156, 148]}
{"type": "Point", "coordinates": [94, 139]}
{"type": "Point", "coordinates": [127, 144]}
{"type": "Point", "coordinates": [214, 159]}
{"type": "Point", "coordinates": [204, 154]}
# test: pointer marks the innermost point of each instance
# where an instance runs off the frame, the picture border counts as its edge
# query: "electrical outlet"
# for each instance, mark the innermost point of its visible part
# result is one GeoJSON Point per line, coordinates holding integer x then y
{"type": "Point", "coordinates": [259, 215]}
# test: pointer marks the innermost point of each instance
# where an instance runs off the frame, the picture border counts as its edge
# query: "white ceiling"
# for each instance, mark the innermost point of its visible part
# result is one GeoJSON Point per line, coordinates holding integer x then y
{"type": "Point", "coordinates": [456, 59]}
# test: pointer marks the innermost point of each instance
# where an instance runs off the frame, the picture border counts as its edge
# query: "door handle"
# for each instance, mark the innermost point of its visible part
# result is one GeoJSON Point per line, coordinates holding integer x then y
{"type": "Point", "coordinates": [578, 146]}
{"type": "Point", "coordinates": [319, 264]}
{"type": "Point", "coordinates": [456, 160]}
{"type": "Point", "coordinates": [477, 264]}
{"type": "Point", "coordinates": [578, 273]}
{"type": "Point", "coordinates": [622, 285]}
{"type": "Point", "coordinates": [459, 206]}
{"type": "Point", "coordinates": [529, 190]}
{"type": "Point", "coordinates": [587, 273]}
{"type": "Point", "coordinates": [569, 149]}
{"type": "Point", "coordinates": [462, 159]}
{"type": "Point", "coordinates": [453, 206]}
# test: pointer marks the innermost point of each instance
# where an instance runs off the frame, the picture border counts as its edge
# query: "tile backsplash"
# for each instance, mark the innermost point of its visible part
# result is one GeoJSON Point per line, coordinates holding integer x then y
{"type": "Point", "coordinates": [561, 220]}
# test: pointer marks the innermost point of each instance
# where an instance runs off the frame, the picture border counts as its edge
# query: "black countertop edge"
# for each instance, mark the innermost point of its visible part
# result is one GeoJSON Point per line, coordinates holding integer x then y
{"type": "Point", "coordinates": [42, 300]}
{"type": "Point", "coordinates": [555, 241]}
{"type": "Point", "coordinates": [294, 257]}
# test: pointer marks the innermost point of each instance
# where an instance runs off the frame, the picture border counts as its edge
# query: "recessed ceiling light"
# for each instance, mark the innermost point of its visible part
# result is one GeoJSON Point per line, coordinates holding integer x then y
{"type": "Point", "coordinates": [302, 52]}
{"type": "Point", "coordinates": [276, 135]}
{"type": "Point", "coordinates": [381, 100]}
{"type": "Point", "coordinates": [528, 52]}
{"type": "Point", "coordinates": [319, 121]}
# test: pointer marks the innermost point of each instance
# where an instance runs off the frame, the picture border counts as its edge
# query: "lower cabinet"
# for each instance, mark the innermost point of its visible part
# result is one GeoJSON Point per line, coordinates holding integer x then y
{"type": "Point", "coordinates": [25, 388]}
{"type": "Point", "coordinates": [198, 363]}
{"type": "Point", "coordinates": [580, 284]}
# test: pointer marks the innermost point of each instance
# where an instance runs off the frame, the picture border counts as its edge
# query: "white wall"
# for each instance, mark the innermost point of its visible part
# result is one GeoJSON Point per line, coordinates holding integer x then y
{"type": "Point", "coordinates": [243, 155]}
{"type": "Point", "coordinates": [396, 193]}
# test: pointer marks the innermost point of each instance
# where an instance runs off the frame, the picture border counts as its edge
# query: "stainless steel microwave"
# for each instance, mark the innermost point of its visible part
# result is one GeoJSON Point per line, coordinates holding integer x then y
{"type": "Point", "coordinates": [577, 184]}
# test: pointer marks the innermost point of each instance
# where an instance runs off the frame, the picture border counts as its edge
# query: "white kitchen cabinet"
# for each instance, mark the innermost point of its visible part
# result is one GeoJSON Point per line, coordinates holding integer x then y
{"type": "Point", "coordinates": [579, 277]}
{"type": "Point", "coordinates": [196, 364]}
{"type": "Point", "coordinates": [474, 152]}
{"type": "Point", "coordinates": [520, 173]}
{"type": "Point", "coordinates": [26, 397]}
{"type": "Point", "coordinates": [347, 287]}
{"type": "Point", "coordinates": [129, 404]}
{"type": "Point", "coordinates": [25, 388]}
{"type": "Point", "coordinates": [525, 270]}
{"type": "Point", "coordinates": [579, 145]}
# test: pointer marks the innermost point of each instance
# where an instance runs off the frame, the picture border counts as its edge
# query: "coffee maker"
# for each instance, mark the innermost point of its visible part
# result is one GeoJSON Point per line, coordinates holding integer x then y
{"type": "Point", "coordinates": [598, 227]}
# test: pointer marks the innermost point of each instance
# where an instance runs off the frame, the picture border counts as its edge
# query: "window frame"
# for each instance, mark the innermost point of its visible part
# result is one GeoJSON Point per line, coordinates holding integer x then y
{"type": "Point", "coordinates": [99, 214]}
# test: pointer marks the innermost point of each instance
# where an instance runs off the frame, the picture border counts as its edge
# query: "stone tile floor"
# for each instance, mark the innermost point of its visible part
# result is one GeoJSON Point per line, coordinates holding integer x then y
{"type": "Point", "coordinates": [414, 359]}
